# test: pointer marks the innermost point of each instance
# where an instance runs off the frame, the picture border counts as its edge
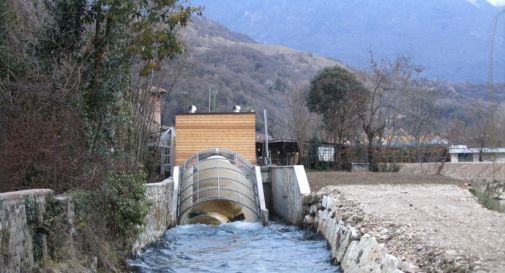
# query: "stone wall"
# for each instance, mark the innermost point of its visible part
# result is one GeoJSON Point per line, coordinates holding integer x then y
{"type": "Point", "coordinates": [160, 216]}
{"type": "Point", "coordinates": [21, 246]}
{"type": "Point", "coordinates": [354, 251]}
{"type": "Point", "coordinates": [289, 188]}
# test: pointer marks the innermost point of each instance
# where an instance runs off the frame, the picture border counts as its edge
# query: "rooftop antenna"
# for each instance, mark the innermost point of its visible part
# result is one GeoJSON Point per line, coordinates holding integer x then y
{"type": "Point", "coordinates": [266, 153]}
{"type": "Point", "coordinates": [215, 94]}
{"type": "Point", "coordinates": [210, 89]}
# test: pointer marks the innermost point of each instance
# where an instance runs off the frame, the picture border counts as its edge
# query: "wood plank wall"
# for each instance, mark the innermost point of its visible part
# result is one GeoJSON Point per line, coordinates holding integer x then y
{"type": "Point", "coordinates": [197, 132]}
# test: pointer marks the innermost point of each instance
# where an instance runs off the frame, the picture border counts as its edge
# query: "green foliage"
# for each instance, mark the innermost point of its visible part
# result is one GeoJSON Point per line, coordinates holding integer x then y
{"type": "Point", "coordinates": [62, 34]}
{"type": "Point", "coordinates": [108, 218]}
{"type": "Point", "coordinates": [9, 66]}
{"type": "Point", "coordinates": [332, 89]}
{"type": "Point", "coordinates": [56, 227]}
{"type": "Point", "coordinates": [340, 98]}
{"type": "Point", "coordinates": [5, 236]}
{"type": "Point", "coordinates": [124, 195]}
{"type": "Point", "coordinates": [85, 108]}
{"type": "Point", "coordinates": [487, 200]}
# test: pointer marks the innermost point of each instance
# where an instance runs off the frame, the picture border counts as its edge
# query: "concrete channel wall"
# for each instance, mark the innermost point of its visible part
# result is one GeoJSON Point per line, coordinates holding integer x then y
{"type": "Point", "coordinates": [18, 210]}
{"type": "Point", "coordinates": [289, 186]}
{"type": "Point", "coordinates": [461, 170]}
{"type": "Point", "coordinates": [161, 214]}
{"type": "Point", "coordinates": [23, 246]}
{"type": "Point", "coordinates": [354, 251]}
{"type": "Point", "coordinates": [293, 201]}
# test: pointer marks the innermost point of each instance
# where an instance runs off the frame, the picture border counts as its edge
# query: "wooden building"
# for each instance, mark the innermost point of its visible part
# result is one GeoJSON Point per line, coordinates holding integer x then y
{"type": "Point", "coordinates": [201, 131]}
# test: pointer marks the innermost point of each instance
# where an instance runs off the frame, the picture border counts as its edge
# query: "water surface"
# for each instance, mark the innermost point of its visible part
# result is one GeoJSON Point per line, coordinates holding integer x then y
{"type": "Point", "coordinates": [235, 247]}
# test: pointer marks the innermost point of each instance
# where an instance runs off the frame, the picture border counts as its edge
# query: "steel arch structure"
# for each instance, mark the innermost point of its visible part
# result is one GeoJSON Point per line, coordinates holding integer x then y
{"type": "Point", "coordinates": [218, 175]}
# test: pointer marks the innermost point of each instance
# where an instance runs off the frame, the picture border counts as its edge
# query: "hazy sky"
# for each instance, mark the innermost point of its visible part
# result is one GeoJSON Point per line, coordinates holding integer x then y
{"type": "Point", "coordinates": [497, 2]}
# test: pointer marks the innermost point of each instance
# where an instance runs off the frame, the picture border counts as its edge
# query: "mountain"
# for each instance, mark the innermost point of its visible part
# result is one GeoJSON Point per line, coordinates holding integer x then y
{"type": "Point", "coordinates": [450, 38]}
{"type": "Point", "coordinates": [259, 76]}
{"type": "Point", "coordinates": [241, 71]}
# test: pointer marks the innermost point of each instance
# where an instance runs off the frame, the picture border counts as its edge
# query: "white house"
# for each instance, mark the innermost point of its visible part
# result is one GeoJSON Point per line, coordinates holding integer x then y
{"type": "Point", "coordinates": [461, 153]}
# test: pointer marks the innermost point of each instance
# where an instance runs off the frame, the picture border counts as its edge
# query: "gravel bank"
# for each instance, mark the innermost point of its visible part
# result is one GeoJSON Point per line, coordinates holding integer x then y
{"type": "Point", "coordinates": [437, 226]}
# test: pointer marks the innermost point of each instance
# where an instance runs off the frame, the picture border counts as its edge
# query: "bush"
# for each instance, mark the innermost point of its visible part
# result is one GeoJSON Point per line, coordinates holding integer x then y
{"type": "Point", "coordinates": [108, 218]}
{"type": "Point", "coordinates": [487, 200]}
{"type": "Point", "coordinates": [125, 195]}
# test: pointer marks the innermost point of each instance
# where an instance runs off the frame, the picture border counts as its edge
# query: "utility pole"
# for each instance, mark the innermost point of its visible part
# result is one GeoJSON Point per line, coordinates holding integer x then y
{"type": "Point", "coordinates": [266, 153]}
{"type": "Point", "coordinates": [491, 117]}
{"type": "Point", "coordinates": [215, 94]}
{"type": "Point", "coordinates": [210, 89]}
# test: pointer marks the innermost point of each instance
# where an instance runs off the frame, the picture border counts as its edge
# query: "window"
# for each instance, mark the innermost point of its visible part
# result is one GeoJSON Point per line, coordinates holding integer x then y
{"type": "Point", "coordinates": [326, 153]}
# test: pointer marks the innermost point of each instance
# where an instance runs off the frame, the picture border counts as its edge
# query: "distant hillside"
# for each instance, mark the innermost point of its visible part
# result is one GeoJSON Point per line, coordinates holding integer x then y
{"type": "Point", "coordinates": [242, 71]}
{"type": "Point", "coordinates": [450, 37]}
{"type": "Point", "coordinates": [257, 76]}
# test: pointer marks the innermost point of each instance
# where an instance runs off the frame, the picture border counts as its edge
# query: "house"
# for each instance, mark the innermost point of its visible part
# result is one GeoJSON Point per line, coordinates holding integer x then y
{"type": "Point", "coordinates": [461, 153]}
{"type": "Point", "coordinates": [286, 152]}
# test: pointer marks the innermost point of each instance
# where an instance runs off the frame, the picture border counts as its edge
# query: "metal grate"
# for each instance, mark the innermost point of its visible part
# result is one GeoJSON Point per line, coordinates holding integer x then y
{"type": "Point", "coordinates": [218, 174]}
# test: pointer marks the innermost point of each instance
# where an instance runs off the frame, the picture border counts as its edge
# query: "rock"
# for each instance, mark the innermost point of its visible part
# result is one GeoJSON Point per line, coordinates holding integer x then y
{"type": "Point", "coordinates": [313, 210]}
{"type": "Point", "coordinates": [451, 252]}
{"type": "Point", "coordinates": [408, 267]}
{"type": "Point", "coordinates": [324, 203]}
{"type": "Point", "coordinates": [308, 220]}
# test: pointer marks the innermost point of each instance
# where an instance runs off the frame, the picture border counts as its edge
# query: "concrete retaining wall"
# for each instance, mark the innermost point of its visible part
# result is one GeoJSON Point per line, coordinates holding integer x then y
{"type": "Point", "coordinates": [22, 246]}
{"type": "Point", "coordinates": [161, 214]}
{"type": "Point", "coordinates": [355, 252]}
{"type": "Point", "coordinates": [465, 171]}
{"type": "Point", "coordinates": [19, 247]}
{"type": "Point", "coordinates": [289, 188]}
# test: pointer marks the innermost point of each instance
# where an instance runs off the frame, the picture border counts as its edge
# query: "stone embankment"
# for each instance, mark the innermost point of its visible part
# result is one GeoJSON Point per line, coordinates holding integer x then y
{"type": "Point", "coordinates": [353, 249]}
{"type": "Point", "coordinates": [161, 214]}
{"type": "Point", "coordinates": [412, 228]}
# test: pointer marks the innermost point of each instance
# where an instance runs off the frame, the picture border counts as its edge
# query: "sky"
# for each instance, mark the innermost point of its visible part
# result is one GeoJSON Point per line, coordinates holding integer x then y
{"type": "Point", "coordinates": [497, 2]}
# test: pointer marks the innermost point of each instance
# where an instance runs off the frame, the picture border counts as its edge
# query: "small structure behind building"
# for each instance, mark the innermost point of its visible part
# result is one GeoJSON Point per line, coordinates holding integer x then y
{"type": "Point", "coordinates": [461, 153]}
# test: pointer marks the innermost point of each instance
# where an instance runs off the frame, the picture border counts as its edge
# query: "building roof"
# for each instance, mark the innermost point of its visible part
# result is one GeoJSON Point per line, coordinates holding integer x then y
{"type": "Point", "coordinates": [463, 149]}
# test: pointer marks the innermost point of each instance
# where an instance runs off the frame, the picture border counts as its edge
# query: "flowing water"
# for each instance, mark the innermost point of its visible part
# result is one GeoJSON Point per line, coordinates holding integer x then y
{"type": "Point", "coordinates": [235, 247]}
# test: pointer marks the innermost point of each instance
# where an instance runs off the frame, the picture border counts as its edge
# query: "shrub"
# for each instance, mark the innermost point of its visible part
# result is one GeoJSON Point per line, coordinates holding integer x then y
{"type": "Point", "coordinates": [487, 200]}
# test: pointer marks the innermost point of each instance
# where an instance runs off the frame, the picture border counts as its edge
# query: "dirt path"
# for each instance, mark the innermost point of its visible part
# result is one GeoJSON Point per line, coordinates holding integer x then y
{"type": "Point", "coordinates": [441, 228]}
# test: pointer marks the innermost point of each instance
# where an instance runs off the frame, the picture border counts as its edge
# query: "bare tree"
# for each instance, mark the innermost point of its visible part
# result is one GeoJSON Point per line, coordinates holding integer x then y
{"type": "Point", "coordinates": [298, 119]}
{"type": "Point", "coordinates": [419, 108]}
{"type": "Point", "coordinates": [386, 80]}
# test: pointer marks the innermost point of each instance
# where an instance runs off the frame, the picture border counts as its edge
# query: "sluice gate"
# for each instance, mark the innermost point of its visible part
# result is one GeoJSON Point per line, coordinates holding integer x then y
{"type": "Point", "coordinates": [219, 186]}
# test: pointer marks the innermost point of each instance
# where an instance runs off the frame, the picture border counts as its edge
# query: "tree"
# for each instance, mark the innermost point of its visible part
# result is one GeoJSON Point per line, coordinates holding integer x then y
{"type": "Point", "coordinates": [419, 105]}
{"type": "Point", "coordinates": [386, 81]}
{"type": "Point", "coordinates": [71, 113]}
{"type": "Point", "coordinates": [339, 97]}
{"type": "Point", "coordinates": [299, 120]}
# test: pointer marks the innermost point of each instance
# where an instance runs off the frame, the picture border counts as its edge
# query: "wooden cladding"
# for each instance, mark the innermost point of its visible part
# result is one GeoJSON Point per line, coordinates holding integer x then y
{"type": "Point", "coordinates": [197, 132]}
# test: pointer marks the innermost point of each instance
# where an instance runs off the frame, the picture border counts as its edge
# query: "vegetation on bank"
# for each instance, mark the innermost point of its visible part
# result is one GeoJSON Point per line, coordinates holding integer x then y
{"type": "Point", "coordinates": [72, 116]}
{"type": "Point", "coordinates": [487, 195]}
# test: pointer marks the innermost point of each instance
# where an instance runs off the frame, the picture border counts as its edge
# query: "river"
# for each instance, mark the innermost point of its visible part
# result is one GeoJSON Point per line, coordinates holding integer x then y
{"type": "Point", "coordinates": [235, 247]}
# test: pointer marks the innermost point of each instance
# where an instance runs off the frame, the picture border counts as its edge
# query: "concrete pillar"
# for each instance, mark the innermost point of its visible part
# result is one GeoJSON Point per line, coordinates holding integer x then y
{"type": "Point", "coordinates": [454, 158]}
